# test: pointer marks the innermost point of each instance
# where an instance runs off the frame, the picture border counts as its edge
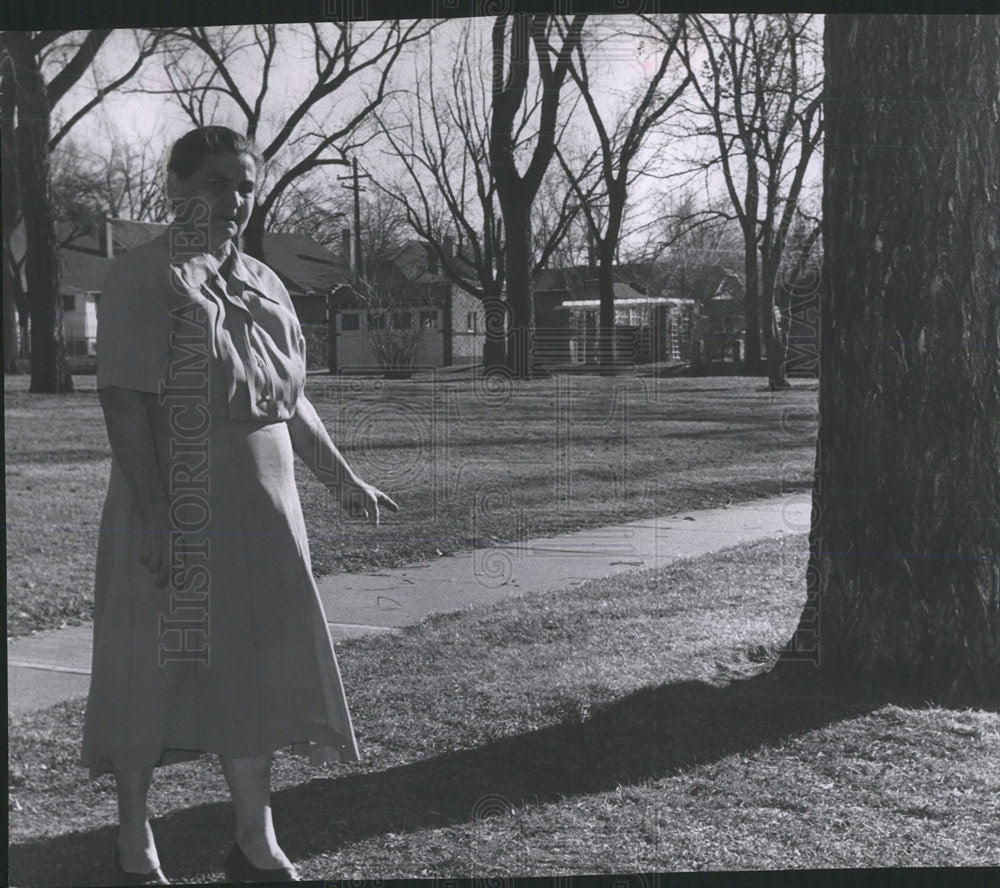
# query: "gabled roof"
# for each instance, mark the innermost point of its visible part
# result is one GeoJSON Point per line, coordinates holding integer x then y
{"type": "Point", "coordinates": [414, 260]}
{"type": "Point", "coordinates": [303, 264]}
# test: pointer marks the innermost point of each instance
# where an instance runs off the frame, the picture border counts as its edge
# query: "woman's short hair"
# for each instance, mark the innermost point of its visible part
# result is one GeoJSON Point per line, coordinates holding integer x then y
{"type": "Point", "coordinates": [191, 149]}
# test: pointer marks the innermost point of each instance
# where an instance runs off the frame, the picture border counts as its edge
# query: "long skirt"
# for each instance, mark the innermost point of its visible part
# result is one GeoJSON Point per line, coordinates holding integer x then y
{"type": "Point", "coordinates": [234, 657]}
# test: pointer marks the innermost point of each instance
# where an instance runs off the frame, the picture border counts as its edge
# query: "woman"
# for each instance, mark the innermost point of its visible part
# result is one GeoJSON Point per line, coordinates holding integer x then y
{"type": "Point", "coordinates": [209, 634]}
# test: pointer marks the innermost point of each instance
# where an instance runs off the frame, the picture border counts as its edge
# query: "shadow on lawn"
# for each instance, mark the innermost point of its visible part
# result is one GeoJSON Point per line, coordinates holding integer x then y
{"type": "Point", "coordinates": [648, 734]}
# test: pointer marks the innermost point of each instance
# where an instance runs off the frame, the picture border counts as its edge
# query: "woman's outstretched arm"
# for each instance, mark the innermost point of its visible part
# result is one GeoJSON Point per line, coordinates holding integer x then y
{"type": "Point", "coordinates": [312, 443]}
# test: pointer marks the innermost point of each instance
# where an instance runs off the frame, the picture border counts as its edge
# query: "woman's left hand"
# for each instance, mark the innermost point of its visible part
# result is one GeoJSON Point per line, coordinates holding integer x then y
{"type": "Point", "coordinates": [362, 499]}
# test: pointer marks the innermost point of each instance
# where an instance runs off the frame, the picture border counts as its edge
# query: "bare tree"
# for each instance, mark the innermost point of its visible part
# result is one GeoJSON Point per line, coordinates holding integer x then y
{"type": "Point", "coordinates": [513, 38]}
{"type": "Point", "coordinates": [904, 579]}
{"type": "Point", "coordinates": [41, 67]}
{"type": "Point", "coordinates": [558, 226]}
{"type": "Point", "coordinates": [439, 135]}
{"type": "Point", "coordinates": [122, 180]}
{"type": "Point", "coordinates": [698, 251]}
{"type": "Point", "coordinates": [614, 161]}
{"type": "Point", "coordinates": [207, 70]}
{"type": "Point", "coordinates": [758, 80]}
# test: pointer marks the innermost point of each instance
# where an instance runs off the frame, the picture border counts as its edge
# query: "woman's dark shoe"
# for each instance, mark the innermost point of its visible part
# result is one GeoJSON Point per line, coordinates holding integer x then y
{"type": "Point", "coordinates": [124, 877]}
{"type": "Point", "coordinates": [239, 869]}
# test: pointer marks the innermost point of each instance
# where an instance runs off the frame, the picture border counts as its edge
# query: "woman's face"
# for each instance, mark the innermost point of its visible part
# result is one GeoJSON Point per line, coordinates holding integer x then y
{"type": "Point", "coordinates": [221, 193]}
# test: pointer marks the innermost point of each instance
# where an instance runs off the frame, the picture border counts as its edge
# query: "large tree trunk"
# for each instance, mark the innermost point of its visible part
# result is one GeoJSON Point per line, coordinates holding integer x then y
{"type": "Point", "coordinates": [49, 371]}
{"type": "Point", "coordinates": [11, 211]}
{"type": "Point", "coordinates": [904, 574]}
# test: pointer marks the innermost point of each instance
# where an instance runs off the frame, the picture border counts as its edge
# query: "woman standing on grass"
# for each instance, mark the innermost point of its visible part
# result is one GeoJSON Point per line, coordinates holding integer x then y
{"type": "Point", "coordinates": [209, 634]}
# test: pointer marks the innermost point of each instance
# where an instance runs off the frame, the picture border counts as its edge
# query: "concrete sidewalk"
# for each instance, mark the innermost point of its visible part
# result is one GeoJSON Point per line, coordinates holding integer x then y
{"type": "Point", "coordinates": [50, 667]}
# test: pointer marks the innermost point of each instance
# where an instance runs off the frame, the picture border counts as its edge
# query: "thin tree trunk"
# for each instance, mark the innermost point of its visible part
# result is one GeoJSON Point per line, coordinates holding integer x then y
{"type": "Point", "coordinates": [904, 578]}
{"type": "Point", "coordinates": [520, 304]}
{"type": "Point", "coordinates": [606, 313]}
{"type": "Point", "coordinates": [774, 340]}
{"type": "Point", "coordinates": [751, 307]}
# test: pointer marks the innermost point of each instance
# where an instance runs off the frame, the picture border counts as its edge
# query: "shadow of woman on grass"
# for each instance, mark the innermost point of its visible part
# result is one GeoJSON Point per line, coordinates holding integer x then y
{"type": "Point", "coordinates": [651, 733]}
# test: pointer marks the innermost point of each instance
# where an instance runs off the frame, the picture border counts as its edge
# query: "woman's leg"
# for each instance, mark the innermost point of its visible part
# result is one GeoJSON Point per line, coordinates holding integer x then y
{"type": "Point", "coordinates": [136, 848]}
{"type": "Point", "coordinates": [249, 782]}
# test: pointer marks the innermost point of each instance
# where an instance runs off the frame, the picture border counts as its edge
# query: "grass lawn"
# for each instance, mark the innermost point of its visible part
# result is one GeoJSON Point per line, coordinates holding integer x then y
{"type": "Point", "coordinates": [633, 723]}
{"type": "Point", "coordinates": [469, 462]}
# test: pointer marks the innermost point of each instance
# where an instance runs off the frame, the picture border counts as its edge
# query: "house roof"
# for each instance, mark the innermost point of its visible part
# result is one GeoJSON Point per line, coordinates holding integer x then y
{"type": "Point", "coordinates": [579, 282]}
{"type": "Point", "coordinates": [709, 281]}
{"type": "Point", "coordinates": [82, 271]}
{"type": "Point", "coordinates": [303, 265]}
{"type": "Point", "coordinates": [414, 260]}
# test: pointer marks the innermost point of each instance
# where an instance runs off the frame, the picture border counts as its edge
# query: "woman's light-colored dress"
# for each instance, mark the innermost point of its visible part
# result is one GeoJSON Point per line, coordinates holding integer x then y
{"type": "Point", "coordinates": [234, 657]}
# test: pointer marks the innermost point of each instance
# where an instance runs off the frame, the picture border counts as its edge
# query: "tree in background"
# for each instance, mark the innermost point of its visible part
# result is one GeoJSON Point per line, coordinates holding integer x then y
{"type": "Point", "coordinates": [515, 39]}
{"type": "Point", "coordinates": [39, 69]}
{"type": "Point", "coordinates": [700, 251]}
{"type": "Point", "coordinates": [120, 179]}
{"type": "Point", "coordinates": [616, 162]}
{"type": "Point", "coordinates": [904, 578]}
{"type": "Point", "coordinates": [300, 132]}
{"type": "Point", "coordinates": [438, 134]}
{"type": "Point", "coordinates": [757, 81]}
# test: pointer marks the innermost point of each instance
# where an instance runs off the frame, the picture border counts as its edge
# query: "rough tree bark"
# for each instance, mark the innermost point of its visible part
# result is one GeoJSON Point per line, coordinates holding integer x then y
{"type": "Point", "coordinates": [904, 570]}
{"type": "Point", "coordinates": [11, 212]}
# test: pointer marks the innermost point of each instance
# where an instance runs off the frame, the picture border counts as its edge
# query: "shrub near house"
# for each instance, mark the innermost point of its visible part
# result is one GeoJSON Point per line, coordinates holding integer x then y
{"type": "Point", "coordinates": [405, 315]}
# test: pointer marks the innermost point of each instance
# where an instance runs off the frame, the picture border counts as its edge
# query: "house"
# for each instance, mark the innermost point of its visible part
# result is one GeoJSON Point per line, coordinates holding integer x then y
{"type": "Point", "coordinates": [407, 315]}
{"type": "Point", "coordinates": [719, 293]}
{"type": "Point", "coordinates": [649, 326]}
{"type": "Point", "coordinates": [309, 271]}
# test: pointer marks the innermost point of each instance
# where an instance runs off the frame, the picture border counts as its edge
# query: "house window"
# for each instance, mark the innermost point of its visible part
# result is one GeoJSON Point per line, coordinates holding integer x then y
{"type": "Point", "coordinates": [69, 302]}
{"type": "Point", "coordinates": [429, 319]}
{"type": "Point", "coordinates": [402, 320]}
{"type": "Point", "coordinates": [350, 321]}
{"type": "Point", "coordinates": [472, 321]}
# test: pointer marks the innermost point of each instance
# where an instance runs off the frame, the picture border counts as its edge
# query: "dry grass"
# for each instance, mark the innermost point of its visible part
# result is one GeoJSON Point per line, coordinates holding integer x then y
{"type": "Point", "coordinates": [467, 461]}
{"type": "Point", "coordinates": [637, 723]}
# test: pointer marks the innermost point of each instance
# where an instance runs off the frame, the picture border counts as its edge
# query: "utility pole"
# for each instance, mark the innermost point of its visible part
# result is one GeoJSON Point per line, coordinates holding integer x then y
{"type": "Point", "coordinates": [353, 183]}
